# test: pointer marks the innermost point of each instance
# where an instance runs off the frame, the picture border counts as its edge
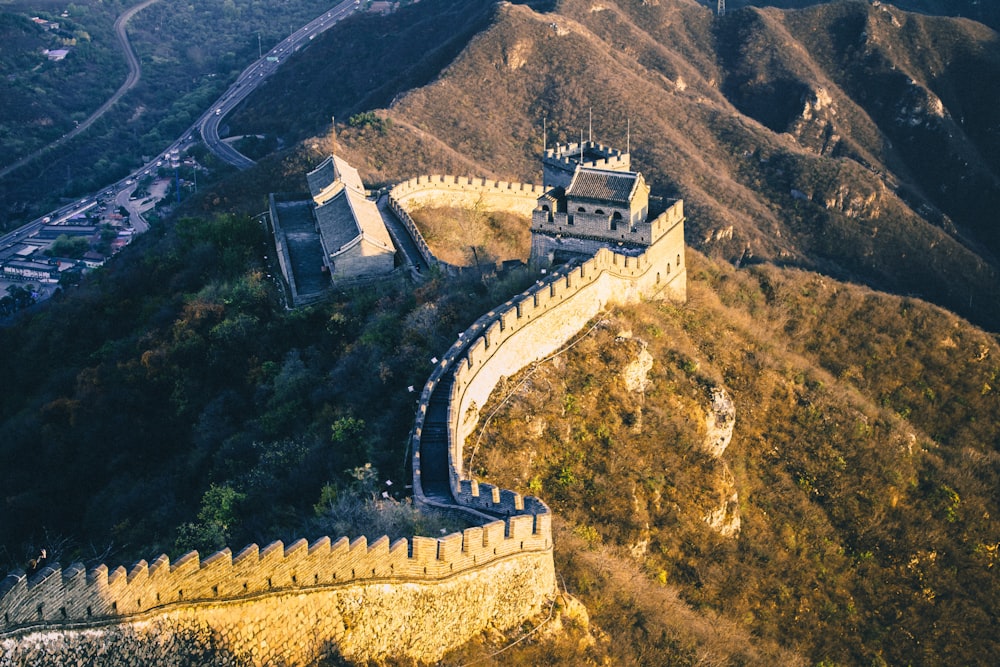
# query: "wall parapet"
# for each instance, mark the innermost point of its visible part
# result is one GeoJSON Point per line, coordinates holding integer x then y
{"type": "Point", "coordinates": [525, 329]}
{"type": "Point", "coordinates": [73, 595]}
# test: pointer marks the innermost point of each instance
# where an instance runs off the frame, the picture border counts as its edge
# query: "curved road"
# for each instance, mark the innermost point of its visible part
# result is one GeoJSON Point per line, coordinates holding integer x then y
{"type": "Point", "coordinates": [255, 74]}
{"type": "Point", "coordinates": [134, 73]}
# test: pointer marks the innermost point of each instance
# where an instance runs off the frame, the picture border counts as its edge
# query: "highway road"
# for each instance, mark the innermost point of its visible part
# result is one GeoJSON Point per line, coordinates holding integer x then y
{"type": "Point", "coordinates": [207, 125]}
{"type": "Point", "coordinates": [255, 74]}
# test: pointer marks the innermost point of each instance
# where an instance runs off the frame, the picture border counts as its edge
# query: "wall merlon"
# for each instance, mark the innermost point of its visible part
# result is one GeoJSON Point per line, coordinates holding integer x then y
{"type": "Point", "coordinates": [511, 500]}
{"type": "Point", "coordinates": [521, 527]}
{"type": "Point", "coordinates": [472, 539]}
{"type": "Point", "coordinates": [543, 523]}
{"type": "Point", "coordinates": [450, 547]}
{"type": "Point", "coordinates": [494, 533]}
{"type": "Point", "coordinates": [320, 547]}
{"type": "Point", "coordinates": [185, 565]}
{"type": "Point", "coordinates": [249, 555]}
{"type": "Point", "coordinates": [140, 569]}
{"type": "Point", "coordinates": [423, 549]}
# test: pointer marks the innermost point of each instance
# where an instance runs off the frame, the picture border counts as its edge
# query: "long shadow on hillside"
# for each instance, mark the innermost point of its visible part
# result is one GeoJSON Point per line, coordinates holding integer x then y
{"type": "Point", "coordinates": [362, 63]}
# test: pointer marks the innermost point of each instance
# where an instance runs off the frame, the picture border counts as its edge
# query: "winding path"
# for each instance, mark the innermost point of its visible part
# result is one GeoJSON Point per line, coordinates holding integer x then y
{"type": "Point", "coordinates": [134, 74]}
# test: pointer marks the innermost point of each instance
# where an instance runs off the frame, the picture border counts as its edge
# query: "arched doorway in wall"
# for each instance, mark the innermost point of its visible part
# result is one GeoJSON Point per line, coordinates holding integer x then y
{"type": "Point", "coordinates": [616, 217]}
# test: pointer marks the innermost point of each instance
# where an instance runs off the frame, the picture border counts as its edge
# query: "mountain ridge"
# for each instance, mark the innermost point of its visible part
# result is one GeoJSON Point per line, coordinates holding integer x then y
{"type": "Point", "coordinates": [778, 156]}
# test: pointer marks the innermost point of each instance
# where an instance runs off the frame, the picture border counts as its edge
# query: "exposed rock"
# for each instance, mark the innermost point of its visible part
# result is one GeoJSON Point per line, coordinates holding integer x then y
{"type": "Point", "coordinates": [721, 234]}
{"type": "Point", "coordinates": [636, 374]}
{"type": "Point", "coordinates": [719, 423]}
{"type": "Point", "coordinates": [725, 519]}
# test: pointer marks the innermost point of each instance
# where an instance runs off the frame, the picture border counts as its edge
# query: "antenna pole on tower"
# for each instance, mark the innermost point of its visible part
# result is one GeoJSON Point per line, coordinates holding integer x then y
{"type": "Point", "coordinates": [590, 131]}
{"type": "Point", "coordinates": [628, 135]}
{"type": "Point", "coordinates": [544, 137]}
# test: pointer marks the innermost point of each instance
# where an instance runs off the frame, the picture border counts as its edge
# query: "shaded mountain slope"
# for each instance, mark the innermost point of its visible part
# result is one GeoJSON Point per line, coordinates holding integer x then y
{"type": "Point", "coordinates": [982, 11]}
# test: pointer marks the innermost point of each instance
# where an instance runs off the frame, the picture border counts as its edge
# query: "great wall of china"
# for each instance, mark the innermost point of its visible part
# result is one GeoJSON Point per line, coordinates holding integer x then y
{"type": "Point", "coordinates": [412, 599]}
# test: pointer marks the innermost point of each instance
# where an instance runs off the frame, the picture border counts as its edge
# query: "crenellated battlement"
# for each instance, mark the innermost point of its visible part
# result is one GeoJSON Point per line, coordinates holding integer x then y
{"type": "Point", "coordinates": [445, 190]}
{"type": "Point", "coordinates": [527, 328]}
{"type": "Point", "coordinates": [67, 596]}
{"type": "Point", "coordinates": [402, 190]}
{"type": "Point", "coordinates": [559, 163]}
{"type": "Point", "coordinates": [595, 154]}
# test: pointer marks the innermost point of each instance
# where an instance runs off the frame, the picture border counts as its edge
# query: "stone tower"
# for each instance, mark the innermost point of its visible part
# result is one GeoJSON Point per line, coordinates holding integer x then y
{"type": "Point", "coordinates": [560, 163]}
{"type": "Point", "coordinates": [593, 200]}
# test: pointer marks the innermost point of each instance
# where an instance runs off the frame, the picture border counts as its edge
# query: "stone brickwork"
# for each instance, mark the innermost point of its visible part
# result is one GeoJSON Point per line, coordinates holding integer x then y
{"type": "Point", "coordinates": [553, 237]}
{"type": "Point", "coordinates": [512, 557]}
{"type": "Point", "coordinates": [530, 327]}
{"type": "Point", "coordinates": [369, 620]}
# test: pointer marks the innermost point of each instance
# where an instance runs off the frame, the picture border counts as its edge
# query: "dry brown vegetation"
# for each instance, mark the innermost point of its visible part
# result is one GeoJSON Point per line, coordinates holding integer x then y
{"type": "Point", "coordinates": [864, 458]}
{"type": "Point", "coordinates": [830, 138]}
{"type": "Point", "coordinates": [470, 237]}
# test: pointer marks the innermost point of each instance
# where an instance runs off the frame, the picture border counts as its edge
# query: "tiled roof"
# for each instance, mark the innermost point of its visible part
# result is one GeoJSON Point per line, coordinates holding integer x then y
{"type": "Point", "coordinates": [348, 216]}
{"type": "Point", "coordinates": [368, 218]}
{"type": "Point", "coordinates": [324, 181]}
{"type": "Point", "coordinates": [603, 185]}
{"type": "Point", "coordinates": [336, 223]}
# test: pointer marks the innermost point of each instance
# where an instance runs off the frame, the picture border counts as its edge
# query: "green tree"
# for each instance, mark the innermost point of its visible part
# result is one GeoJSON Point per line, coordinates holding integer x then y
{"type": "Point", "coordinates": [65, 246]}
{"type": "Point", "coordinates": [216, 518]}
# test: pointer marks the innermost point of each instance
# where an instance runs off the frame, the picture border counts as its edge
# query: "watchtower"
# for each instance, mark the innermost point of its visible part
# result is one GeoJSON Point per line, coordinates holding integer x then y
{"type": "Point", "coordinates": [594, 200]}
{"type": "Point", "coordinates": [560, 163]}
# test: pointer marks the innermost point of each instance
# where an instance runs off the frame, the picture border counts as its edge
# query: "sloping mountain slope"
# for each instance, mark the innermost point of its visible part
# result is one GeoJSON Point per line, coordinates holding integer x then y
{"type": "Point", "coordinates": [862, 469]}
{"type": "Point", "coordinates": [828, 138]}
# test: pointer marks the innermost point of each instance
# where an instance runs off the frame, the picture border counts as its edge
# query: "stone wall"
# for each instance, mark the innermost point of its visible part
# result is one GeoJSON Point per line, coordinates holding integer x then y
{"type": "Point", "coordinates": [370, 620]}
{"type": "Point", "coordinates": [438, 190]}
{"type": "Point", "coordinates": [528, 328]}
{"type": "Point", "coordinates": [394, 592]}
{"type": "Point", "coordinates": [284, 260]}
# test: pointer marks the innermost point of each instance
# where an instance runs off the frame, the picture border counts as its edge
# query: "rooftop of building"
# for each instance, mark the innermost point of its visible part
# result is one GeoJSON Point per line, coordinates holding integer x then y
{"type": "Point", "coordinates": [333, 173]}
{"type": "Point", "coordinates": [603, 185]}
{"type": "Point", "coordinates": [348, 215]}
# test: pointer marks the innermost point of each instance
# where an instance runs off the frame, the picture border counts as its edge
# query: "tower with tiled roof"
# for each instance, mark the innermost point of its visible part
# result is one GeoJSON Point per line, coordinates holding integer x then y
{"type": "Point", "coordinates": [560, 163]}
{"type": "Point", "coordinates": [601, 203]}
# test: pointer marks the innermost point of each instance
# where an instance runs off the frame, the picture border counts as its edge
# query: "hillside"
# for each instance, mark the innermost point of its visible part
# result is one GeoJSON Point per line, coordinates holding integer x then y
{"type": "Point", "coordinates": [839, 178]}
{"type": "Point", "coordinates": [188, 55]}
{"type": "Point", "coordinates": [861, 475]}
{"type": "Point", "coordinates": [828, 138]}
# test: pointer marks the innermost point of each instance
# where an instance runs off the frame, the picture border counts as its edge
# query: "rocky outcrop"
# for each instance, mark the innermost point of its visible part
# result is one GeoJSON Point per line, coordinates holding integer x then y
{"type": "Point", "coordinates": [636, 374]}
{"type": "Point", "coordinates": [719, 423]}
